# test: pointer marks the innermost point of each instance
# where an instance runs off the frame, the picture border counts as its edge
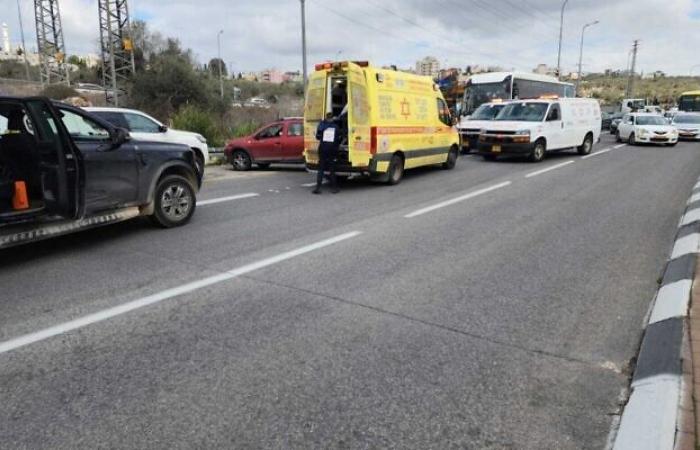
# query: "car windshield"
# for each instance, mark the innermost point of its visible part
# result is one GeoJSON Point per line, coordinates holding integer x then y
{"type": "Point", "coordinates": [486, 112]}
{"type": "Point", "coordinates": [651, 120]}
{"type": "Point", "coordinates": [687, 119]}
{"type": "Point", "coordinates": [523, 112]}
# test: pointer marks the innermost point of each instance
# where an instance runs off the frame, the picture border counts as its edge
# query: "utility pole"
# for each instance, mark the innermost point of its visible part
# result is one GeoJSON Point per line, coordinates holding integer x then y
{"type": "Point", "coordinates": [303, 41]}
{"type": "Point", "coordinates": [580, 56]}
{"type": "Point", "coordinates": [561, 32]}
{"type": "Point", "coordinates": [630, 81]}
{"type": "Point", "coordinates": [221, 64]}
{"type": "Point", "coordinates": [24, 45]}
{"type": "Point", "coordinates": [117, 47]}
{"type": "Point", "coordinates": [50, 45]}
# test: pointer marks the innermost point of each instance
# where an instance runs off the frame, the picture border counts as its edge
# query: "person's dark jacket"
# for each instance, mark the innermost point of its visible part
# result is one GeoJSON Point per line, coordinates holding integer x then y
{"type": "Point", "coordinates": [328, 147]}
{"type": "Point", "coordinates": [7, 186]}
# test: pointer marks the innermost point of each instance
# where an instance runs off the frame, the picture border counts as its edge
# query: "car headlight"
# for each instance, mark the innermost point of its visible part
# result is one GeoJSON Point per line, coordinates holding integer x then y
{"type": "Point", "coordinates": [201, 138]}
{"type": "Point", "coordinates": [522, 133]}
{"type": "Point", "coordinates": [642, 132]}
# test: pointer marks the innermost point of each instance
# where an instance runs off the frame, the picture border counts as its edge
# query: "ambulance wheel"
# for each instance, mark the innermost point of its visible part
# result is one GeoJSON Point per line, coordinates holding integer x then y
{"type": "Point", "coordinates": [587, 145]}
{"type": "Point", "coordinates": [395, 172]}
{"type": "Point", "coordinates": [451, 159]}
{"type": "Point", "coordinates": [538, 152]}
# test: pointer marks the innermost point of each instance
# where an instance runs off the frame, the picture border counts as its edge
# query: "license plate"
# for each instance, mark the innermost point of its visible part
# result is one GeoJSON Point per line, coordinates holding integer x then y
{"type": "Point", "coordinates": [496, 149]}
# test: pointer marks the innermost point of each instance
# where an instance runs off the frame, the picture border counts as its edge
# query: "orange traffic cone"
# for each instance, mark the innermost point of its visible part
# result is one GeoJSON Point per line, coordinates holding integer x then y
{"type": "Point", "coordinates": [20, 200]}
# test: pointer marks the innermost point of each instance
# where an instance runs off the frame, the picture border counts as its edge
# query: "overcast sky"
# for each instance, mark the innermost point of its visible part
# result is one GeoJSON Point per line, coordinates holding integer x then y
{"type": "Point", "coordinates": [517, 34]}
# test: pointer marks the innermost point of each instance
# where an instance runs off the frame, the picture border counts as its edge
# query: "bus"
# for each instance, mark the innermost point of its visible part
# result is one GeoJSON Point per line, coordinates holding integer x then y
{"type": "Point", "coordinates": [689, 101]}
{"type": "Point", "coordinates": [486, 87]}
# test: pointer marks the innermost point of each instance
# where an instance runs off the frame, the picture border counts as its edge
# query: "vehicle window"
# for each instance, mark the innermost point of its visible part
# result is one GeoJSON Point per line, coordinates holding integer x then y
{"type": "Point", "coordinates": [3, 124]}
{"type": "Point", "coordinates": [486, 112]}
{"type": "Point", "coordinates": [295, 129]}
{"type": "Point", "coordinates": [141, 124]}
{"type": "Point", "coordinates": [523, 112]}
{"type": "Point", "coordinates": [444, 112]}
{"type": "Point", "coordinates": [629, 120]}
{"type": "Point", "coordinates": [554, 113]}
{"type": "Point", "coordinates": [687, 119]}
{"type": "Point", "coordinates": [115, 118]}
{"type": "Point", "coordinates": [81, 127]}
{"type": "Point", "coordinates": [651, 120]}
{"type": "Point", "coordinates": [272, 131]}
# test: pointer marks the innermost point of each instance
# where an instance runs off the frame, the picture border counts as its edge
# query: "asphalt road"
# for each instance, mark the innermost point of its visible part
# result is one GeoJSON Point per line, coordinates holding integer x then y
{"type": "Point", "coordinates": [493, 306]}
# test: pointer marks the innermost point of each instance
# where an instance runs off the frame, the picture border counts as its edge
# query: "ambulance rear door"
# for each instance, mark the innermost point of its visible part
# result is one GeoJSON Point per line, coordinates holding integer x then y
{"type": "Point", "coordinates": [359, 126]}
{"type": "Point", "coordinates": [314, 110]}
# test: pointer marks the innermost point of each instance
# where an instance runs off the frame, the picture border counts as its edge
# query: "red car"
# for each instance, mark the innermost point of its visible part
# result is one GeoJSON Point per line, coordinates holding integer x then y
{"type": "Point", "coordinates": [277, 142]}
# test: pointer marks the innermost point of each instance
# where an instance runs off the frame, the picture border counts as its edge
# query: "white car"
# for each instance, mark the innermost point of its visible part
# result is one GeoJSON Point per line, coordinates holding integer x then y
{"type": "Point", "coordinates": [144, 127]}
{"type": "Point", "coordinates": [534, 127]}
{"type": "Point", "coordinates": [469, 127]}
{"type": "Point", "coordinates": [688, 126]}
{"type": "Point", "coordinates": [638, 128]}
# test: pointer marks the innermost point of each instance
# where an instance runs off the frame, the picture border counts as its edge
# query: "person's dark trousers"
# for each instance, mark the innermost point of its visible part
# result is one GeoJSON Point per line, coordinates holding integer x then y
{"type": "Point", "coordinates": [326, 163]}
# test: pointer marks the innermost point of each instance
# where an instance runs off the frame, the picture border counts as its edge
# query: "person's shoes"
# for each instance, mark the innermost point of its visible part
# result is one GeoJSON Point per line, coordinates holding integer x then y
{"type": "Point", "coordinates": [316, 191]}
{"type": "Point", "coordinates": [335, 190]}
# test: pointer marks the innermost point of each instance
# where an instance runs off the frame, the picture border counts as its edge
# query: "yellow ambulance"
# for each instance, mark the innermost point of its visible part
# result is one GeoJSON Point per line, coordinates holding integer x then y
{"type": "Point", "coordinates": [391, 120]}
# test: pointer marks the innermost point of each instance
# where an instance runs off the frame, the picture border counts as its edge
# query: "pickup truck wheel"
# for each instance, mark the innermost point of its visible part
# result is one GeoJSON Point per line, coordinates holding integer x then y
{"type": "Point", "coordinates": [538, 152]}
{"type": "Point", "coordinates": [451, 159]}
{"type": "Point", "coordinates": [199, 163]}
{"type": "Point", "coordinates": [175, 202]}
{"type": "Point", "coordinates": [587, 145]}
{"type": "Point", "coordinates": [395, 170]}
{"type": "Point", "coordinates": [240, 160]}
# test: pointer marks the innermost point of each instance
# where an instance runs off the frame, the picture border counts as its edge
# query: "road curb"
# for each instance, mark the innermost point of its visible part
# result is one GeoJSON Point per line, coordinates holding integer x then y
{"type": "Point", "coordinates": [650, 418]}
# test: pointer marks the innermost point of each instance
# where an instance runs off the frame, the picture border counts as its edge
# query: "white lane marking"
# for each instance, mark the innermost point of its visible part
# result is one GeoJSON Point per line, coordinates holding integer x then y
{"type": "Point", "coordinates": [226, 199]}
{"type": "Point", "coordinates": [308, 184]}
{"type": "Point", "coordinates": [109, 313]}
{"type": "Point", "coordinates": [600, 152]}
{"type": "Point", "coordinates": [619, 146]}
{"type": "Point", "coordinates": [428, 209]}
{"type": "Point", "coordinates": [548, 169]}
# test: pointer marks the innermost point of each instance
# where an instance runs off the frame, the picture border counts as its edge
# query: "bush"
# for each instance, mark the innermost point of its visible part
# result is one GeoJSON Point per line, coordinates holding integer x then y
{"type": "Point", "coordinates": [59, 92]}
{"type": "Point", "coordinates": [195, 119]}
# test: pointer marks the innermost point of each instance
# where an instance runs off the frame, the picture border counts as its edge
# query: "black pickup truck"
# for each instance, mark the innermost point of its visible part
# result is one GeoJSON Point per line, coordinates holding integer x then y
{"type": "Point", "coordinates": [77, 171]}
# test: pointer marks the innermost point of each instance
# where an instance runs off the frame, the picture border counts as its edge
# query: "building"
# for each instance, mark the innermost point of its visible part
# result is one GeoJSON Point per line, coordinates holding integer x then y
{"type": "Point", "coordinates": [544, 69]}
{"type": "Point", "coordinates": [292, 77]}
{"type": "Point", "coordinates": [428, 66]}
{"type": "Point", "coordinates": [6, 46]}
{"type": "Point", "coordinates": [271, 76]}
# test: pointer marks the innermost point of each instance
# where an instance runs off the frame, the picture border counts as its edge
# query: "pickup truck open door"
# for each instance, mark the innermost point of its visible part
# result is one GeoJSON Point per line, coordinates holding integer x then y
{"type": "Point", "coordinates": [59, 162]}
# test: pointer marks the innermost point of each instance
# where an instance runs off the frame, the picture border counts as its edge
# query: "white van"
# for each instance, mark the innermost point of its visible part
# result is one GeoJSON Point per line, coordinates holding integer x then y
{"type": "Point", "coordinates": [534, 127]}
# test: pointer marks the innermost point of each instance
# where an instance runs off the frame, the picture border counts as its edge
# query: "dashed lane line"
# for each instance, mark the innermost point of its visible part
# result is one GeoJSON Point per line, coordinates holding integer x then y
{"type": "Point", "coordinates": [549, 169]}
{"type": "Point", "coordinates": [452, 201]}
{"type": "Point", "coordinates": [230, 198]}
{"type": "Point", "coordinates": [167, 294]}
{"type": "Point", "coordinates": [619, 146]}
{"type": "Point", "coordinates": [599, 152]}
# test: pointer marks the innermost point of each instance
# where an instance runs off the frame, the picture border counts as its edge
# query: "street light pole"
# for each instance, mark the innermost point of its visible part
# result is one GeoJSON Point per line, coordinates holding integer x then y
{"type": "Point", "coordinates": [303, 41]}
{"type": "Point", "coordinates": [580, 56]}
{"type": "Point", "coordinates": [24, 45]}
{"type": "Point", "coordinates": [221, 63]}
{"type": "Point", "coordinates": [561, 33]}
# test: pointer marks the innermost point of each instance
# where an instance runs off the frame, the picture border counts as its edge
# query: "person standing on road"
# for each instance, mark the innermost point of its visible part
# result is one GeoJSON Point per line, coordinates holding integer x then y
{"type": "Point", "coordinates": [328, 133]}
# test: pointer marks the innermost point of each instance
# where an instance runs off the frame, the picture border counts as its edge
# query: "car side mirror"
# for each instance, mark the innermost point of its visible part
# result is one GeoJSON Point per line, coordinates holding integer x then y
{"type": "Point", "coordinates": [119, 136]}
{"type": "Point", "coordinates": [162, 128]}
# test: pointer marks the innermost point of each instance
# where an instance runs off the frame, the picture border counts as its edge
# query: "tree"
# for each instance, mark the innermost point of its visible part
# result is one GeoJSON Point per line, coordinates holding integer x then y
{"type": "Point", "coordinates": [214, 65]}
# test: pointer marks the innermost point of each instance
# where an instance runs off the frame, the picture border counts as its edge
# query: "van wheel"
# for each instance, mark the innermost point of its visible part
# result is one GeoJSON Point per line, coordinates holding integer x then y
{"type": "Point", "coordinates": [175, 202]}
{"type": "Point", "coordinates": [587, 145]}
{"type": "Point", "coordinates": [395, 172]}
{"type": "Point", "coordinates": [451, 159]}
{"type": "Point", "coordinates": [538, 152]}
{"type": "Point", "coordinates": [631, 139]}
{"type": "Point", "coordinates": [240, 160]}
